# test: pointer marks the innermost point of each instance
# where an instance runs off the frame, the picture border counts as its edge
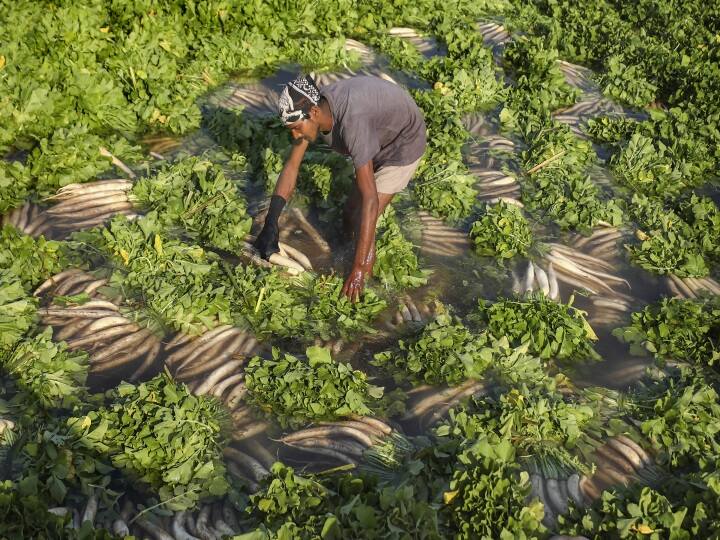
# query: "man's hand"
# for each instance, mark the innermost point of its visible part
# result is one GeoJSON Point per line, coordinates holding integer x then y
{"type": "Point", "coordinates": [355, 283]}
{"type": "Point", "coordinates": [267, 240]}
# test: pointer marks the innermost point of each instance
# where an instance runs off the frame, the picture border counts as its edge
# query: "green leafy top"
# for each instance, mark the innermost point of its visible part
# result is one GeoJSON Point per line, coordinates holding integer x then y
{"type": "Point", "coordinates": [298, 391]}
{"type": "Point", "coordinates": [501, 232]}
{"type": "Point", "coordinates": [17, 311]}
{"type": "Point", "coordinates": [32, 260]}
{"type": "Point", "coordinates": [54, 376]}
{"type": "Point", "coordinates": [396, 264]}
{"type": "Point", "coordinates": [551, 330]}
{"type": "Point", "coordinates": [161, 434]}
{"type": "Point", "coordinates": [675, 329]}
{"type": "Point", "coordinates": [445, 351]}
{"type": "Point", "coordinates": [195, 194]}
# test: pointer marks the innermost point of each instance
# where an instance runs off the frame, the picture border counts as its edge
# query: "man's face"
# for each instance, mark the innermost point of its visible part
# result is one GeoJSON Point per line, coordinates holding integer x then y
{"type": "Point", "coordinates": [307, 128]}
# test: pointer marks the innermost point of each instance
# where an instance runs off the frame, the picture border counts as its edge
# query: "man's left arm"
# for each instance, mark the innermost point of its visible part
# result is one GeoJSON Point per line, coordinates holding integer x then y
{"type": "Point", "coordinates": [365, 246]}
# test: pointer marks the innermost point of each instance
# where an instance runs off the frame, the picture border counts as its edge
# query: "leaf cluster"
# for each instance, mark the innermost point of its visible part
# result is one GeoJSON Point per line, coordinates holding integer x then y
{"type": "Point", "coordinates": [31, 259]}
{"type": "Point", "coordinates": [196, 195]}
{"type": "Point", "coordinates": [551, 330]}
{"type": "Point", "coordinates": [676, 330]}
{"type": "Point", "coordinates": [444, 352]}
{"type": "Point", "coordinates": [163, 435]}
{"type": "Point", "coordinates": [17, 311]}
{"type": "Point", "coordinates": [396, 263]}
{"type": "Point", "coordinates": [501, 232]}
{"type": "Point", "coordinates": [297, 391]}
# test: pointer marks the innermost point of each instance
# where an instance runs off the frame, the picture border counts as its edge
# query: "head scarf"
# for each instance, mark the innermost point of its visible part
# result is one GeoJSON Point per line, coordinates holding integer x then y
{"type": "Point", "coordinates": [296, 99]}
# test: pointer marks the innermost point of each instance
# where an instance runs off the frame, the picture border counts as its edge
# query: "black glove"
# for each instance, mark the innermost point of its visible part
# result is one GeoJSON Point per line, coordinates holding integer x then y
{"type": "Point", "coordinates": [267, 240]}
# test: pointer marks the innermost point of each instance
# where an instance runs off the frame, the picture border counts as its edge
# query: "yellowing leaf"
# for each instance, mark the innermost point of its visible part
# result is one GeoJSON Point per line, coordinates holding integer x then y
{"type": "Point", "coordinates": [125, 256]}
{"type": "Point", "coordinates": [157, 243]}
{"type": "Point", "coordinates": [105, 29]}
{"type": "Point", "coordinates": [589, 331]}
{"type": "Point", "coordinates": [448, 496]}
{"type": "Point", "coordinates": [2, 61]}
{"type": "Point", "coordinates": [86, 422]}
{"type": "Point", "coordinates": [644, 529]}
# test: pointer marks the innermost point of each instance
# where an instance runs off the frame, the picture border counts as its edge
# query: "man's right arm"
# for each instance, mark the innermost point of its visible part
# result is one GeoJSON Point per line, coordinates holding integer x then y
{"type": "Point", "coordinates": [267, 240]}
{"type": "Point", "coordinates": [287, 180]}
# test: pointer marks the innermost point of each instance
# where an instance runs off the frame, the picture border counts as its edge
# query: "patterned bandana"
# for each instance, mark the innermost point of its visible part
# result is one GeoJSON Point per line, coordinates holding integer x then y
{"type": "Point", "coordinates": [296, 99]}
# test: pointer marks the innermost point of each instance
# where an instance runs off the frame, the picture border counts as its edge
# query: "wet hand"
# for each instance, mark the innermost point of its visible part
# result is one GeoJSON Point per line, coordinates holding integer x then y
{"type": "Point", "coordinates": [355, 283]}
{"type": "Point", "coordinates": [267, 240]}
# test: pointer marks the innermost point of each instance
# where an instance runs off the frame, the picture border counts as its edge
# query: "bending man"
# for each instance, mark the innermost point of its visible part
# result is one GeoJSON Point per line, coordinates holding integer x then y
{"type": "Point", "coordinates": [374, 122]}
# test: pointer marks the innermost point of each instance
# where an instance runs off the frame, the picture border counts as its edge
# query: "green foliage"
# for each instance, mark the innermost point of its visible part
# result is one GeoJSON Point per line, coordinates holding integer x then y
{"type": "Point", "coordinates": [674, 329]}
{"type": "Point", "coordinates": [331, 313]}
{"type": "Point", "coordinates": [195, 195]}
{"type": "Point", "coordinates": [610, 129]}
{"type": "Point", "coordinates": [24, 514]}
{"type": "Point", "coordinates": [539, 86]}
{"type": "Point", "coordinates": [396, 264]}
{"type": "Point", "coordinates": [640, 513]}
{"type": "Point", "coordinates": [17, 311]}
{"type": "Point", "coordinates": [177, 283]}
{"type": "Point", "coordinates": [72, 155]}
{"type": "Point", "coordinates": [551, 330]}
{"type": "Point", "coordinates": [501, 232]}
{"type": "Point", "coordinates": [679, 417]}
{"type": "Point", "coordinates": [52, 375]}
{"type": "Point", "coordinates": [560, 189]}
{"type": "Point", "coordinates": [297, 391]}
{"type": "Point", "coordinates": [536, 422]}
{"type": "Point", "coordinates": [14, 185]}
{"type": "Point", "coordinates": [626, 84]}
{"type": "Point", "coordinates": [674, 240]}
{"type": "Point", "coordinates": [31, 259]}
{"type": "Point", "coordinates": [161, 434]}
{"type": "Point", "coordinates": [444, 189]}
{"type": "Point", "coordinates": [643, 166]}
{"type": "Point", "coordinates": [444, 352]}
{"type": "Point", "coordinates": [489, 500]}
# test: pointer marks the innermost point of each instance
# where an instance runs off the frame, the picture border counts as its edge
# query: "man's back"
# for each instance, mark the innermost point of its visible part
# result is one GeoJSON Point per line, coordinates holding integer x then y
{"type": "Point", "coordinates": [375, 119]}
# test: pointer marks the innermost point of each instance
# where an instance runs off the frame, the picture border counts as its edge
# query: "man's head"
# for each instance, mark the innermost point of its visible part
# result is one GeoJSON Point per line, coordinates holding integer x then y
{"type": "Point", "coordinates": [299, 108]}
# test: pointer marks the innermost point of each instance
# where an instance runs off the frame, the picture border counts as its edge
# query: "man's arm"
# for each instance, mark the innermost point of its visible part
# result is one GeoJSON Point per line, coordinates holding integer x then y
{"type": "Point", "coordinates": [365, 246]}
{"type": "Point", "coordinates": [267, 240]}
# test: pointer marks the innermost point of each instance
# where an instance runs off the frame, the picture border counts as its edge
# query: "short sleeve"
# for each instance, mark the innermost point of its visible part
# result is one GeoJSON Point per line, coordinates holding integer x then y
{"type": "Point", "coordinates": [360, 140]}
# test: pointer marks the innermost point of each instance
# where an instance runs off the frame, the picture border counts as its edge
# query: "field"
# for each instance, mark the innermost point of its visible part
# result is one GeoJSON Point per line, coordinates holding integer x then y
{"type": "Point", "coordinates": [536, 355]}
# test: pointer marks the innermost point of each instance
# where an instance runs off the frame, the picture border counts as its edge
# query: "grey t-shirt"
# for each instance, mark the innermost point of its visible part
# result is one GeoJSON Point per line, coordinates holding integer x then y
{"type": "Point", "coordinates": [374, 119]}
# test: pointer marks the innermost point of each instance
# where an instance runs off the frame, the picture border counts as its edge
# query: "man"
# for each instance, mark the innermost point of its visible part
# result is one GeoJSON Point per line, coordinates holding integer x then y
{"type": "Point", "coordinates": [379, 126]}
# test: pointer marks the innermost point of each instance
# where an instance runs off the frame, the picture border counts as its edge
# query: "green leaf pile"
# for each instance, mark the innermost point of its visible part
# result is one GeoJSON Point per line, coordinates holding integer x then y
{"type": "Point", "coordinates": [161, 434]}
{"type": "Point", "coordinates": [501, 232]}
{"type": "Point", "coordinates": [297, 391]}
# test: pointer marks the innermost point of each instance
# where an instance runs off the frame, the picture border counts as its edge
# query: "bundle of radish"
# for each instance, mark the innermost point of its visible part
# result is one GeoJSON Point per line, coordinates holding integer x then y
{"type": "Point", "coordinates": [411, 312]}
{"type": "Point", "coordinates": [578, 269]}
{"type": "Point", "coordinates": [209, 521]}
{"type": "Point", "coordinates": [292, 260]}
{"type": "Point", "coordinates": [24, 218]}
{"type": "Point", "coordinates": [212, 358]}
{"type": "Point", "coordinates": [580, 77]}
{"type": "Point", "coordinates": [496, 185]}
{"type": "Point", "coordinates": [612, 311]}
{"type": "Point", "coordinates": [493, 34]}
{"type": "Point", "coordinates": [555, 494]}
{"type": "Point", "coordinates": [691, 287]}
{"type": "Point", "coordinates": [430, 404]}
{"type": "Point", "coordinates": [83, 206]}
{"type": "Point", "coordinates": [112, 340]}
{"type": "Point", "coordinates": [440, 239]}
{"type": "Point", "coordinates": [343, 441]}
{"type": "Point", "coordinates": [246, 466]}
{"type": "Point", "coordinates": [537, 279]}
{"type": "Point", "coordinates": [620, 461]}
{"type": "Point", "coordinates": [71, 282]}
{"type": "Point", "coordinates": [602, 244]}
{"type": "Point", "coordinates": [245, 419]}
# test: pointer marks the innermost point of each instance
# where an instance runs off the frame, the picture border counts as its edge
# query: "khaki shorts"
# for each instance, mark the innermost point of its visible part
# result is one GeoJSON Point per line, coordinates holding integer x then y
{"type": "Point", "coordinates": [393, 178]}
